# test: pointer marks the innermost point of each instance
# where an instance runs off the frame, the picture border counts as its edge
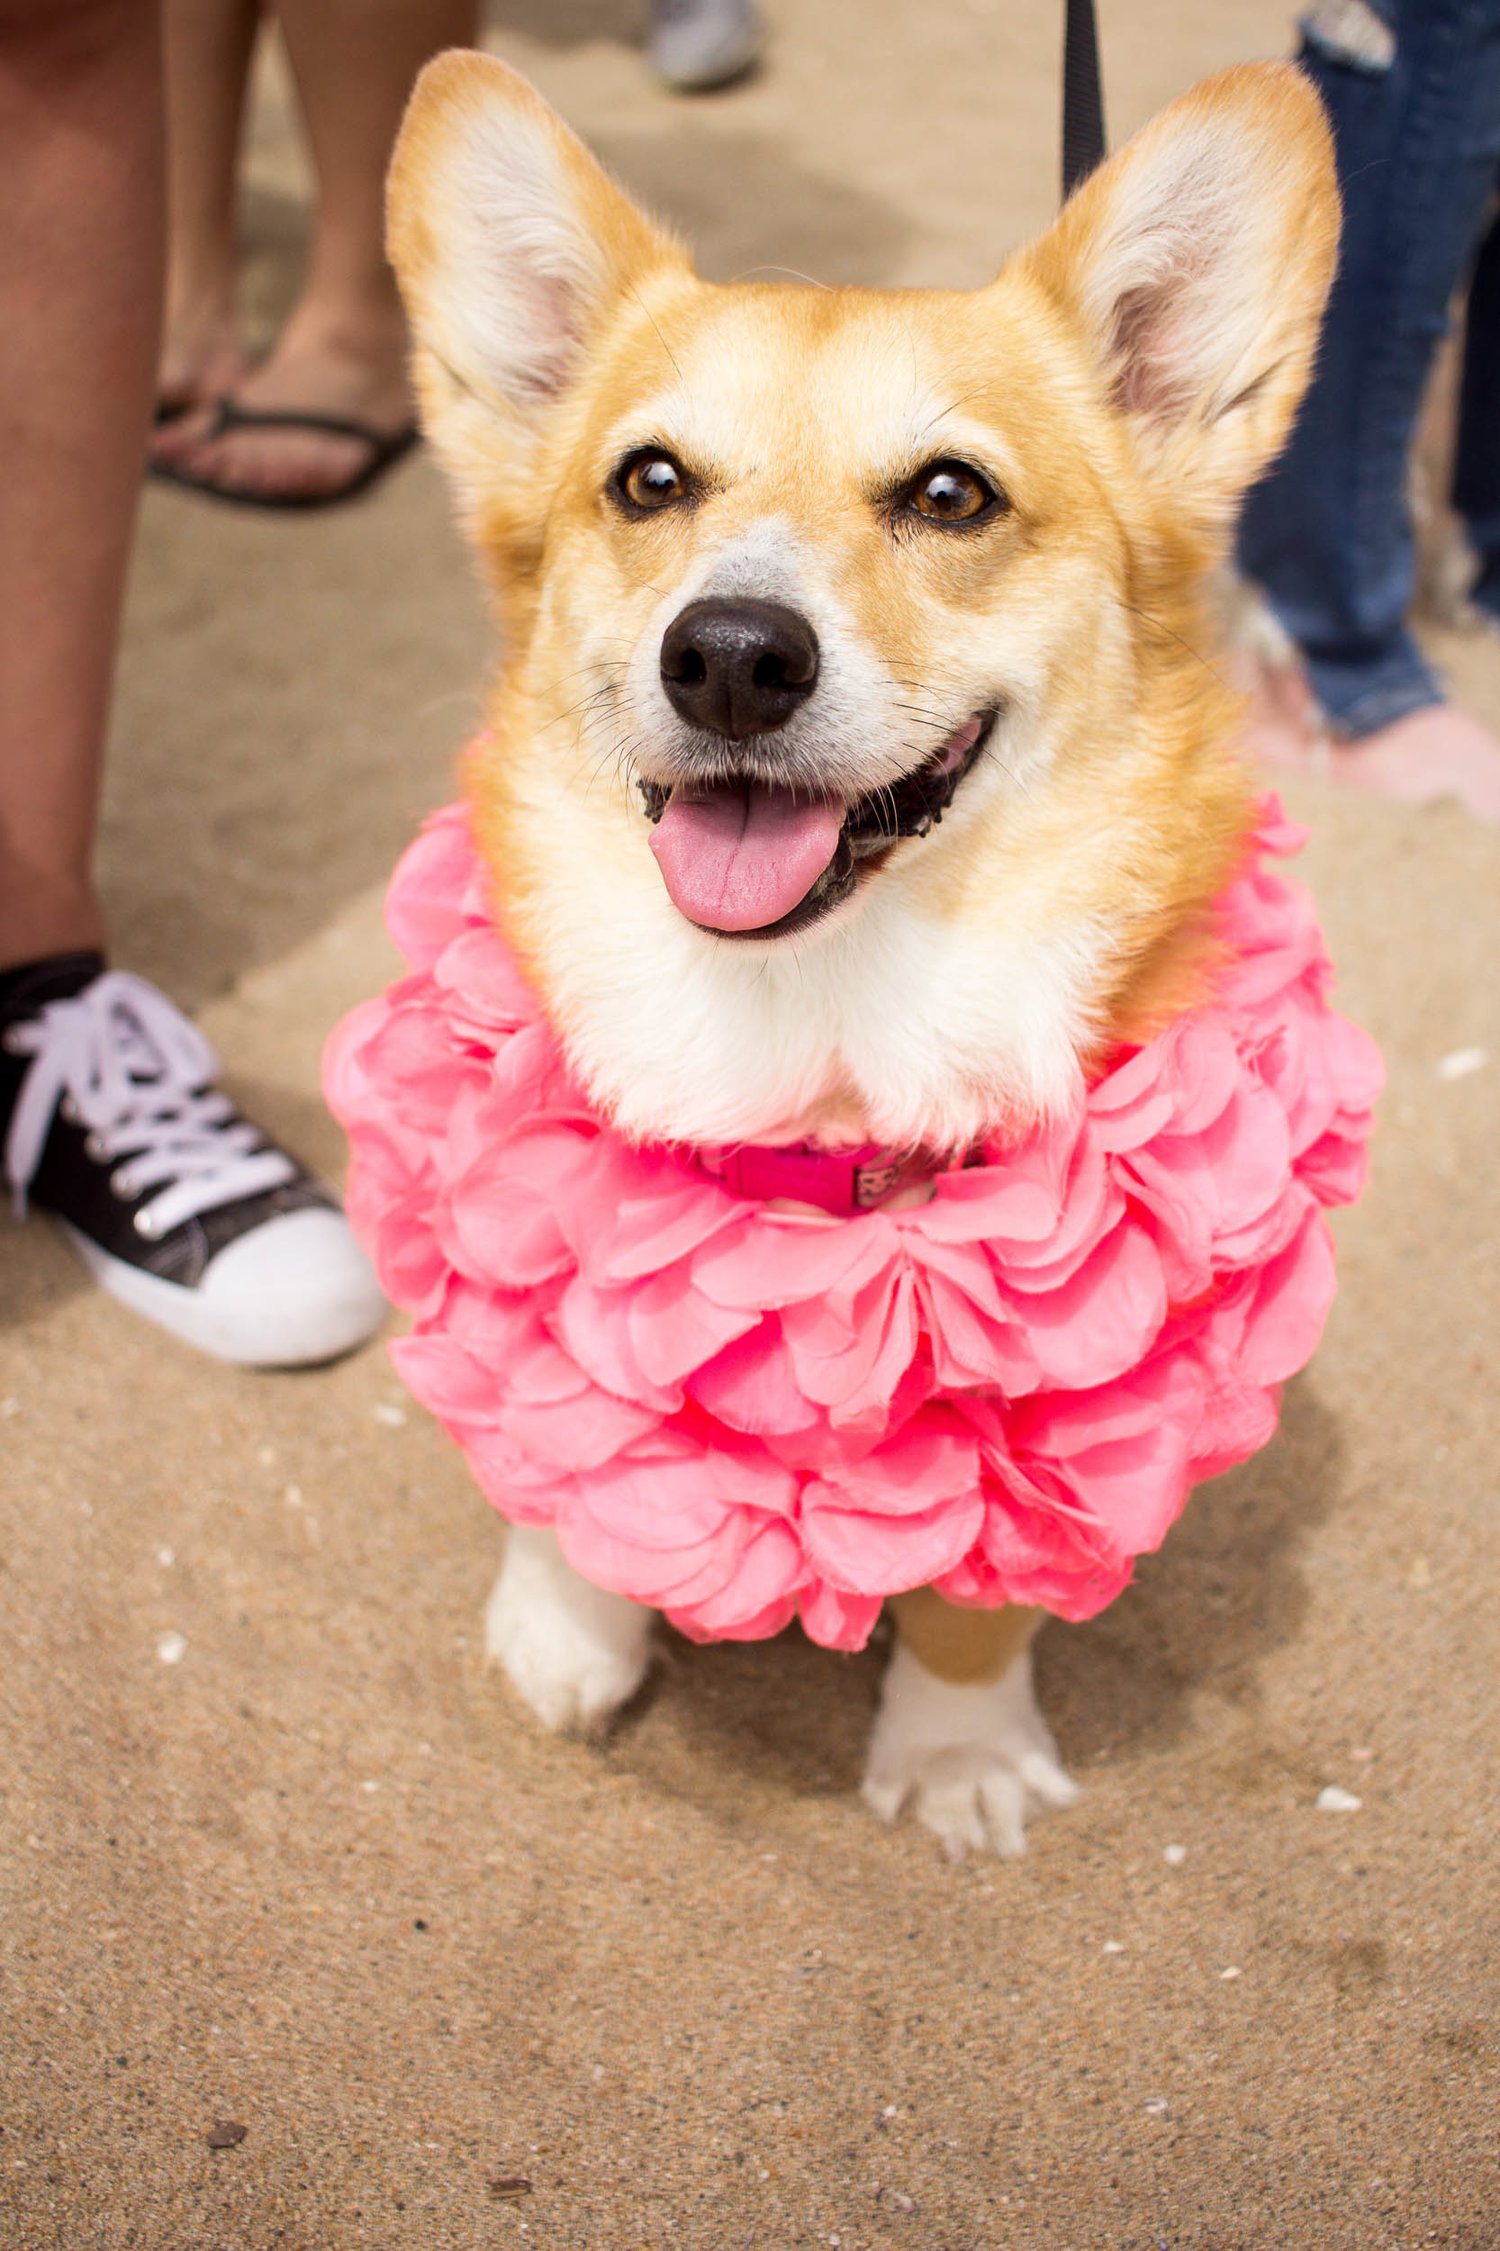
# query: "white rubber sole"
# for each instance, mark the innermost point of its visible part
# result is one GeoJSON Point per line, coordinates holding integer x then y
{"type": "Point", "coordinates": [290, 1294]}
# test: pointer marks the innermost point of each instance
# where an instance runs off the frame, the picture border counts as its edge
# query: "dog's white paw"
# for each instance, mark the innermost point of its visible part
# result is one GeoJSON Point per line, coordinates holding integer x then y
{"type": "Point", "coordinates": [972, 1761]}
{"type": "Point", "coordinates": [573, 1652]}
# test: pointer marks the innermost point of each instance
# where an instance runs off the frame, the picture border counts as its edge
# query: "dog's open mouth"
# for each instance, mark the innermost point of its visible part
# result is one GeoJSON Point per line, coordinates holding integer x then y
{"type": "Point", "coordinates": [750, 858]}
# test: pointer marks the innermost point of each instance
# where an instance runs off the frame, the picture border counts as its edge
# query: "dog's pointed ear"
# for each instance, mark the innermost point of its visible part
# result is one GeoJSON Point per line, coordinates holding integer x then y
{"type": "Point", "coordinates": [1197, 262]}
{"type": "Point", "coordinates": [512, 247]}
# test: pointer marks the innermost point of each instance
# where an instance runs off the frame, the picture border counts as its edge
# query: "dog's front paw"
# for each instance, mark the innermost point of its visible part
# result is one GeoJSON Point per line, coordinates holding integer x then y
{"type": "Point", "coordinates": [573, 1652]}
{"type": "Point", "coordinates": [973, 1761]}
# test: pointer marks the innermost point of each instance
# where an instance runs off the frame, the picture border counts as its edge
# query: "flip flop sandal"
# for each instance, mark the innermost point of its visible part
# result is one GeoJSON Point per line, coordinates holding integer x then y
{"type": "Point", "coordinates": [384, 451]}
{"type": "Point", "coordinates": [171, 406]}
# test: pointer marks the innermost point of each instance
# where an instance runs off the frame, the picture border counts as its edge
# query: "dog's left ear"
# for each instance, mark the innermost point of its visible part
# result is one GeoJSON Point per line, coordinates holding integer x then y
{"type": "Point", "coordinates": [1197, 262]}
{"type": "Point", "coordinates": [512, 247]}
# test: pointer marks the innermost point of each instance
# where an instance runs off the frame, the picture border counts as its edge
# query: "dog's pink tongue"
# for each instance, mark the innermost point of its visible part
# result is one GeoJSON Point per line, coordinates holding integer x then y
{"type": "Point", "coordinates": [744, 855]}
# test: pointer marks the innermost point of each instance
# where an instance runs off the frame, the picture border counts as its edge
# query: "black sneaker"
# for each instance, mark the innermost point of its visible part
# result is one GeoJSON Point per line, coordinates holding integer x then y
{"type": "Point", "coordinates": [179, 1207]}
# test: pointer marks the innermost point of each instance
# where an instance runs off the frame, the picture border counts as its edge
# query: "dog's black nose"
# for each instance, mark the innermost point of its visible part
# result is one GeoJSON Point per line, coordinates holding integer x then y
{"type": "Point", "coordinates": [740, 668]}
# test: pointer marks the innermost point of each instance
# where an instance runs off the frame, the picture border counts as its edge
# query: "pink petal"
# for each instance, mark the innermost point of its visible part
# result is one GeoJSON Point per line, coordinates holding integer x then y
{"type": "Point", "coordinates": [836, 1620]}
{"type": "Point", "coordinates": [505, 1208]}
{"type": "Point", "coordinates": [1105, 1317]}
{"type": "Point", "coordinates": [850, 1358]}
{"type": "Point", "coordinates": [766, 1578]}
{"type": "Point", "coordinates": [782, 1259]}
{"type": "Point", "coordinates": [591, 1324]}
{"type": "Point", "coordinates": [935, 1458]}
{"type": "Point", "coordinates": [579, 1434]}
{"type": "Point", "coordinates": [751, 1384]}
{"type": "Point", "coordinates": [485, 989]}
{"type": "Point", "coordinates": [1017, 1200]}
{"type": "Point", "coordinates": [422, 910]}
{"type": "Point", "coordinates": [654, 1227]}
{"type": "Point", "coordinates": [880, 1555]}
{"type": "Point", "coordinates": [675, 1329]}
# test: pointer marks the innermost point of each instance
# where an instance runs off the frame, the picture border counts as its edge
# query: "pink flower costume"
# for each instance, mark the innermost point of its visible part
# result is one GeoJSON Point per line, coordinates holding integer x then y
{"type": "Point", "coordinates": [740, 1415]}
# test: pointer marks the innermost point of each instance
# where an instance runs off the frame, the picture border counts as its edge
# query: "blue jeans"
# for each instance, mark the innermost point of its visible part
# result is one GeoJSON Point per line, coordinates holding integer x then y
{"type": "Point", "coordinates": [1327, 535]}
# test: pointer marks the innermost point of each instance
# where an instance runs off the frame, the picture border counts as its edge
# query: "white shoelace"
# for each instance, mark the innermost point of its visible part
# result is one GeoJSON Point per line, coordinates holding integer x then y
{"type": "Point", "coordinates": [122, 1061]}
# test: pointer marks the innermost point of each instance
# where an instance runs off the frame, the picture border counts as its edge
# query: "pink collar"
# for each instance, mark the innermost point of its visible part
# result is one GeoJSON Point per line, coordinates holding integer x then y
{"type": "Point", "coordinates": [842, 1181]}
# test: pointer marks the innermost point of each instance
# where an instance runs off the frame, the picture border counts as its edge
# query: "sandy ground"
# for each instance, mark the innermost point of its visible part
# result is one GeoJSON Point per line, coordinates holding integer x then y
{"type": "Point", "coordinates": [319, 1879]}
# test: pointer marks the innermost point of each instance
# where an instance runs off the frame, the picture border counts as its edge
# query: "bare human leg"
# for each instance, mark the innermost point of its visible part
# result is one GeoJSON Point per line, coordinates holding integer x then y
{"type": "Point", "coordinates": [343, 351]}
{"type": "Point", "coordinates": [179, 1207]}
{"type": "Point", "coordinates": [80, 252]}
{"type": "Point", "coordinates": [209, 45]}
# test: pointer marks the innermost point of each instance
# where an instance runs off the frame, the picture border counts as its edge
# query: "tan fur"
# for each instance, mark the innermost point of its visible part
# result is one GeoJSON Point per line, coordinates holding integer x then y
{"type": "Point", "coordinates": [801, 406]}
{"type": "Point", "coordinates": [1122, 382]}
{"type": "Point", "coordinates": [961, 1645]}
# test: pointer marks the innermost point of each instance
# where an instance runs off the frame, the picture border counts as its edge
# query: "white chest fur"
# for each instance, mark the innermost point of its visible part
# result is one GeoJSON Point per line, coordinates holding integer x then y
{"type": "Point", "coordinates": [895, 1026]}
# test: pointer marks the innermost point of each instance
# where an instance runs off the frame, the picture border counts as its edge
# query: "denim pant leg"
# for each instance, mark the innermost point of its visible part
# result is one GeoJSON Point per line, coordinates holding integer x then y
{"type": "Point", "coordinates": [1327, 536]}
{"type": "Point", "coordinates": [1476, 468]}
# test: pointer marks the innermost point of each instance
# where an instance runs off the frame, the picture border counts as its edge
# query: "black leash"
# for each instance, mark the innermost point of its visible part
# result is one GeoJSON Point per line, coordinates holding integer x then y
{"type": "Point", "coordinates": [1083, 98]}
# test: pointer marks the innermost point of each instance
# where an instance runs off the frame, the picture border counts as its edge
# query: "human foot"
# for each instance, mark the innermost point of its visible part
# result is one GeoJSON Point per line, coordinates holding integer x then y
{"type": "Point", "coordinates": [179, 1207]}
{"type": "Point", "coordinates": [353, 377]}
{"type": "Point", "coordinates": [1440, 751]}
{"type": "Point", "coordinates": [202, 357]}
{"type": "Point", "coordinates": [1285, 728]}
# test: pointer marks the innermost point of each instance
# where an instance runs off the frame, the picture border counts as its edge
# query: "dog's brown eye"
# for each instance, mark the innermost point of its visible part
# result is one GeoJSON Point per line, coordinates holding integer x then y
{"type": "Point", "coordinates": [950, 492]}
{"type": "Point", "coordinates": [649, 480]}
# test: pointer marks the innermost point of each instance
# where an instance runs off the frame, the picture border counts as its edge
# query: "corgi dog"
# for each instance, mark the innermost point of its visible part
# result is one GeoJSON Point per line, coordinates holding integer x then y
{"type": "Point", "coordinates": [858, 773]}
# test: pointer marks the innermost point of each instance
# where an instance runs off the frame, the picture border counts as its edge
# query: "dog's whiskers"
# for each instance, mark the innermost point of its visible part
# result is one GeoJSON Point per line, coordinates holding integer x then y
{"type": "Point", "coordinates": [589, 705]}
{"type": "Point", "coordinates": [1159, 625]}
